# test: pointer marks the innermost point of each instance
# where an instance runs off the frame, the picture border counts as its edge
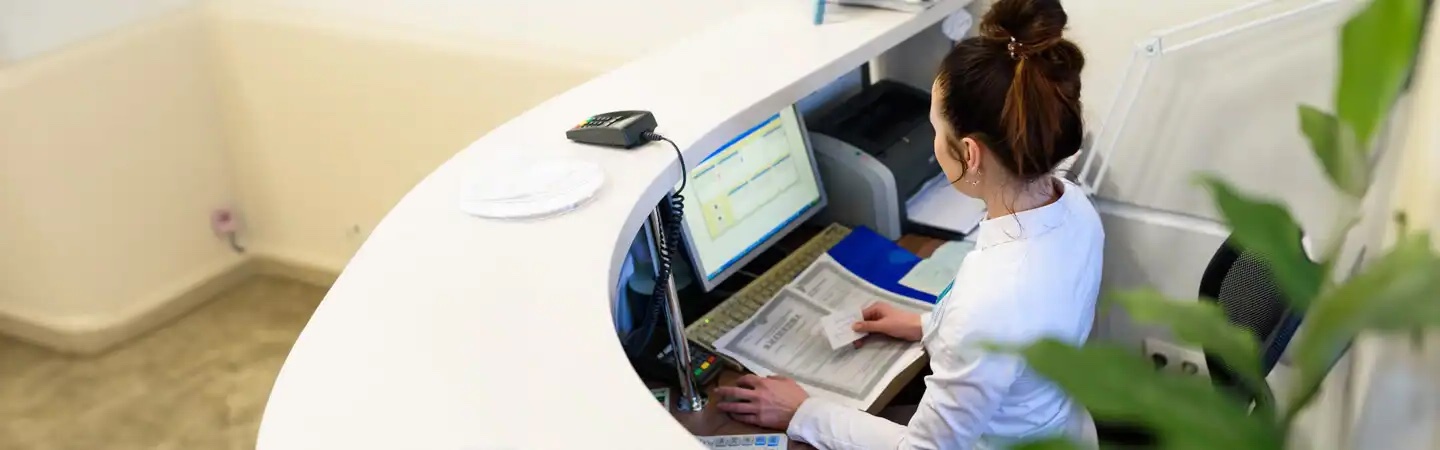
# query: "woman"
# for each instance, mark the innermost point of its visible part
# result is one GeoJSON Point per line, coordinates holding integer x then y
{"type": "Point", "coordinates": [1006, 111]}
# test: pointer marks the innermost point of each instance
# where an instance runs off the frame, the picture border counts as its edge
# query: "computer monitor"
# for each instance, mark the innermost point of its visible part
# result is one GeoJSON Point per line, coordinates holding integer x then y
{"type": "Point", "coordinates": [747, 194]}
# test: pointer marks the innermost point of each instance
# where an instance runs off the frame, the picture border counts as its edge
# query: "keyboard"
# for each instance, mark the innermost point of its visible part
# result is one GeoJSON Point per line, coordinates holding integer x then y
{"type": "Point", "coordinates": [749, 299]}
{"type": "Point", "coordinates": [773, 441]}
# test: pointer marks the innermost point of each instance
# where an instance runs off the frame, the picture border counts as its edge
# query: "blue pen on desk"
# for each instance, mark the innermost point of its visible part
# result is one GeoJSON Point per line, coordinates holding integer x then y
{"type": "Point", "coordinates": [819, 12]}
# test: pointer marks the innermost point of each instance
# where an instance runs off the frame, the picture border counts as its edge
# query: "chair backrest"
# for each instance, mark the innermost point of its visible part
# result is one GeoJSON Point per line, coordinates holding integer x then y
{"type": "Point", "coordinates": [1245, 289]}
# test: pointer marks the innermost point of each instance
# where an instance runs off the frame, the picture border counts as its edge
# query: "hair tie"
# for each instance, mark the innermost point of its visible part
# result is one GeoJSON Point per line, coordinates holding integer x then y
{"type": "Point", "coordinates": [1014, 48]}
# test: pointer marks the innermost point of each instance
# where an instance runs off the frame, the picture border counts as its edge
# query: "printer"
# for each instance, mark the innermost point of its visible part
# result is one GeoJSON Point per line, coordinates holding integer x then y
{"type": "Point", "coordinates": [875, 152]}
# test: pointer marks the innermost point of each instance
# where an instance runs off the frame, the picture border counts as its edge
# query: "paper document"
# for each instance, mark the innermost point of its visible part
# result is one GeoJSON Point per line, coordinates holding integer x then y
{"type": "Point", "coordinates": [932, 274]}
{"type": "Point", "coordinates": [939, 205]}
{"type": "Point", "coordinates": [781, 338]}
{"type": "Point", "coordinates": [836, 289]}
{"type": "Point", "coordinates": [839, 329]}
{"type": "Point", "coordinates": [953, 251]}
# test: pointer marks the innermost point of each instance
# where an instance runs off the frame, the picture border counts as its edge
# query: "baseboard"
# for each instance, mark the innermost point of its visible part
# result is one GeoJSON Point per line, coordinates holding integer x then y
{"type": "Point", "coordinates": [90, 340]}
{"type": "Point", "coordinates": [32, 332]}
{"type": "Point", "coordinates": [294, 269]}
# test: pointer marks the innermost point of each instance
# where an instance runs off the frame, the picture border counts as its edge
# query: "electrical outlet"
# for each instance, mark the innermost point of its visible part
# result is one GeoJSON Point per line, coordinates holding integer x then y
{"type": "Point", "coordinates": [223, 222]}
{"type": "Point", "coordinates": [1173, 358]}
{"type": "Point", "coordinates": [226, 225]}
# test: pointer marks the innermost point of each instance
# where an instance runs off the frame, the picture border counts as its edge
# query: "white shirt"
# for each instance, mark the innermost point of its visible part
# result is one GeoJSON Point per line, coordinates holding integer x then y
{"type": "Point", "coordinates": [1032, 275]}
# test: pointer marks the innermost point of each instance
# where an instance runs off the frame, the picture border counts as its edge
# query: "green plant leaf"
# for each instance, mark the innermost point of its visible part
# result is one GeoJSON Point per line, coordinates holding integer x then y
{"type": "Point", "coordinates": [1343, 161]}
{"type": "Point", "coordinates": [1399, 291]}
{"type": "Point", "coordinates": [1114, 383]}
{"type": "Point", "coordinates": [1050, 443]}
{"type": "Point", "coordinates": [1203, 324]}
{"type": "Point", "coordinates": [1266, 228]}
{"type": "Point", "coordinates": [1377, 50]}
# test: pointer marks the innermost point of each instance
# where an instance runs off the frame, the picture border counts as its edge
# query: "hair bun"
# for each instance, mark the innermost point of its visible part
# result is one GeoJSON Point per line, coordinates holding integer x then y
{"type": "Point", "coordinates": [1035, 25]}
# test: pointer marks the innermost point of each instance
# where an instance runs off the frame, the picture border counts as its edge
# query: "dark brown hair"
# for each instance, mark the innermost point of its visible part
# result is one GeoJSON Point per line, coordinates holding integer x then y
{"type": "Point", "coordinates": [1016, 88]}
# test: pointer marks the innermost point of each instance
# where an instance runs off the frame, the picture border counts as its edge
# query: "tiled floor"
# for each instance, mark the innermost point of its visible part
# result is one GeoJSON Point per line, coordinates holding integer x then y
{"type": "Point", "coordinates": [199, 383]}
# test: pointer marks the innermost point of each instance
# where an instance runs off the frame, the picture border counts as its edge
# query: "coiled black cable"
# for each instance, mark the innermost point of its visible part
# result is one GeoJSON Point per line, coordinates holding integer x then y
{"type": "Point", "coordinates": [652, 137]}
{"type": "Point", "coordinates": [672, 209]}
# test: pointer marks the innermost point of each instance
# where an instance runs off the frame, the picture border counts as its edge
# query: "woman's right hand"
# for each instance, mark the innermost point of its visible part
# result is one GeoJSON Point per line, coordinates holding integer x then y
{"type": "Point", "coordinates": [888, 320]}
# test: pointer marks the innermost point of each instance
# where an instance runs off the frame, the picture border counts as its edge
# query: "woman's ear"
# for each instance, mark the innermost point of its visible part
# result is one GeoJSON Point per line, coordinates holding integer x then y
{"type": "Point", "coordinates": [972, 154]}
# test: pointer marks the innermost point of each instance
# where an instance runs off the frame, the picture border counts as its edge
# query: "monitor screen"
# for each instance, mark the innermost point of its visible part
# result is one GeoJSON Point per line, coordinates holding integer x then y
{"type": "Point", "coordinates": [748, 193]}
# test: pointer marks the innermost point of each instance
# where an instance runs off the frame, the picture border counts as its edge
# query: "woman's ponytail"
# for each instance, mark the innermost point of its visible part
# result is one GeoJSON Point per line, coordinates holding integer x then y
{"type": "Point", "coordinates": [1033, 120]}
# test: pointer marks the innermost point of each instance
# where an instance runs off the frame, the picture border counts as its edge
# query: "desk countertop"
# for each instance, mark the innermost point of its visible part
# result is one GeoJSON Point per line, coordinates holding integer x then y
{"type": "Point", "coordinates": [443, 328]}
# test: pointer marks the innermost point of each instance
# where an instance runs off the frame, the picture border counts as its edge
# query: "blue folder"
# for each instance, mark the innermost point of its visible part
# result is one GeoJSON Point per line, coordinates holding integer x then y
{"type": "Point", "coordinates": [879, 261]}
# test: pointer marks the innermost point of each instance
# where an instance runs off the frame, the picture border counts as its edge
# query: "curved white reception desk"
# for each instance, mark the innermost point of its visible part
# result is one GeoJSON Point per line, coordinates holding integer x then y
{"type": "Point", "coordinates": [448, 331]}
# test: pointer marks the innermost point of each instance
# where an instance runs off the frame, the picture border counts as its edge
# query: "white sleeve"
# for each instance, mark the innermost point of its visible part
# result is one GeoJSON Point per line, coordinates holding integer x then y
{"type": "Point", "coordinates": [960, 397]}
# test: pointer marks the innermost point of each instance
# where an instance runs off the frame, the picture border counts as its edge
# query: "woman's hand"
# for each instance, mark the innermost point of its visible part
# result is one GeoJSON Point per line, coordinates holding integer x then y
{"type": "Point", "coordinates": [768, 402]}
{"type": "Point", "coordinates": [888, 320]}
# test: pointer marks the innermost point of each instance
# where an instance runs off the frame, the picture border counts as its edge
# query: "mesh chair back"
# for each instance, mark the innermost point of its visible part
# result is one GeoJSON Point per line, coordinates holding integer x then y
{"type": "Point", "coordinates": [1244, 287]}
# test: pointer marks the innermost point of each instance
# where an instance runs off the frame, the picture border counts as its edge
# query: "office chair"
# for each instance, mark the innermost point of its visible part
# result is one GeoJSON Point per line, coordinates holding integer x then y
{"type": "Point", "coordinates": [1246, 291]}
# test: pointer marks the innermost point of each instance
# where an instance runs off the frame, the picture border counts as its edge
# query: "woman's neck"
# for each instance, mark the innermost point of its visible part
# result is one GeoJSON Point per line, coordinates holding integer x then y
{"type": "Point", "coordinates": [1014, 197]}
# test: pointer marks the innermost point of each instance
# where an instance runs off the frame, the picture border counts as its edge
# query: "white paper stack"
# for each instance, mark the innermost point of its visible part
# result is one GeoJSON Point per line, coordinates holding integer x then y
{"type": "Point", "coordinates": [939, 205]}
{"type": "Point", "coordinates": [517, 188]}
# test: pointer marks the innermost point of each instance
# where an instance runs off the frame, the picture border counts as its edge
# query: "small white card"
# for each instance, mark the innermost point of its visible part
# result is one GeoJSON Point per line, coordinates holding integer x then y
{"type": "Point", "coordinates": [837, 328]}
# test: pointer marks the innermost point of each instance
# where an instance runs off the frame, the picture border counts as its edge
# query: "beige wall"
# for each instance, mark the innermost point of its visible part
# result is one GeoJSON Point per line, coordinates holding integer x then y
{"type": "Point", "coordinates": [330, 121]}
{"type": "Point", "coordinates": [111, 159]}
{"type": "Point", "coordinates": [628, 27]}
{"type": "Point", "coordinates": [114, 151]}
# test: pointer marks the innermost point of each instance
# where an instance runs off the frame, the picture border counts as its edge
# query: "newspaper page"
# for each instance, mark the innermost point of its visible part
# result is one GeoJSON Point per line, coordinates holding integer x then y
{"type": "Point", "coordinates": [783, 338]}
